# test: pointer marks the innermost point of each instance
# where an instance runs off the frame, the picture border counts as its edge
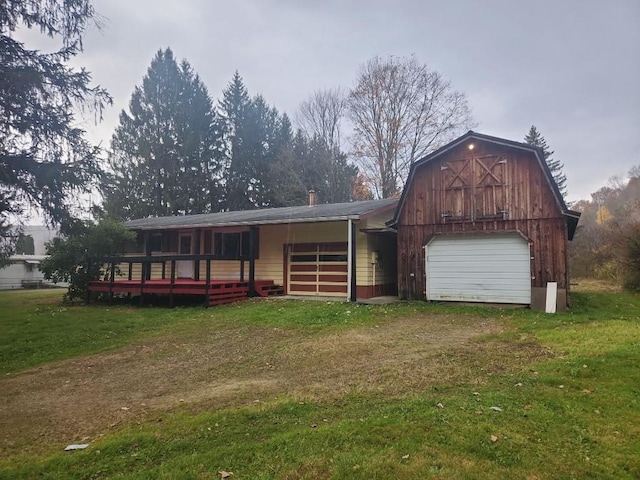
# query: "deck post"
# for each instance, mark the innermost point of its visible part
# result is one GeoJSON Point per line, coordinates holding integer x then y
{"type": "Point", "coordinates": [146, 272]}
{"type": "Point", "coordinates": [208, 282]}
{"type": "Point", "coordinates": [242, 270]}
{"type": "Point", "coordinates": [196, 250]}
{"type": "Point", "coordinates": [172, 281]}
{"type": "Point", "coordinates": [143, 277]}
{"type": "Point", "coordinates": [129, 277]}
{"type": "Point", "coordinates": [252, 260]}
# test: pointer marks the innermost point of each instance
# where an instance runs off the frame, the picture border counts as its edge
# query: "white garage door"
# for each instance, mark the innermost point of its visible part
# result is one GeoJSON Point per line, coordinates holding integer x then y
{"type": "Point", "coordinates": [479, 268]}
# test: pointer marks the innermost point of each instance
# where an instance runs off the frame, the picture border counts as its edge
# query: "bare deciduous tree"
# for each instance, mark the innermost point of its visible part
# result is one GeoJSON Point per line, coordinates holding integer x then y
{"type": "Point", "coordinates": [320, 116]}
{"type": "Point", "coordinates": [401, 110]}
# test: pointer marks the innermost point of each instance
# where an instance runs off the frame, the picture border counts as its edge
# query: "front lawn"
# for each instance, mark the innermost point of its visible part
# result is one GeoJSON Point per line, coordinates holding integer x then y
{"type": "Point", "coordinates": [306, 390]}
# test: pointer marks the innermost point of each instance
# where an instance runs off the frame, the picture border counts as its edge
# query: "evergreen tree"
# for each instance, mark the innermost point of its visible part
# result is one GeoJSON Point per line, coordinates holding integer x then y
{"type": "Point", "coordinates": [235, 106]}
{"type": "Point", "coordinates": [167, 151]}
{"type": "Point", "coordinates": [258, 138]}
{"type": "Point", "coordinates": [555, 166]}
{"type": "Point", "coordinates": [45, 160]}
{"type": "Point", "coordinates": [268, 166]}
{"type": "Point", "coordinates": [286, 187]}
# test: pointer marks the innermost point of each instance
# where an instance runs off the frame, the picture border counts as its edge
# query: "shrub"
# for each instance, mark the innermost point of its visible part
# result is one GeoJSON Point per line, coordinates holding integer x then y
{"type": "Point", "coordinates": [75, 259]}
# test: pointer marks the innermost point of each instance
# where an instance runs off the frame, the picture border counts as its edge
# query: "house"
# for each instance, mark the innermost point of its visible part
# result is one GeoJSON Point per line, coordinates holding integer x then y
{"type": "Point", "coordinates": [339, 250]}
{"type": "Point", "coordinates": [482, 220]}
{"type": "Point", "coordinates": [23, 269]}
{"type": "Point", "coordinates": [479, 220]}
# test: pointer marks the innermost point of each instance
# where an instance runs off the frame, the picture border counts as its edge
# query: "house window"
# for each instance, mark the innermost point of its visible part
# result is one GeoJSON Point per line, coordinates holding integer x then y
{"type": "Point", "coordinates": [155, 242]}
{"type": "Point", "coordinates": [170, 241]}
{"type": "Point", "coordinates": [185, 245]}
{"type": "Point", "coordinates": [136, 245]}
{"type": "Point", "coordinates": [206, 243]}
{"type": "Point", "coordinates": [233, 245]}
{"type": "Point", "coordinates": [25, 245]}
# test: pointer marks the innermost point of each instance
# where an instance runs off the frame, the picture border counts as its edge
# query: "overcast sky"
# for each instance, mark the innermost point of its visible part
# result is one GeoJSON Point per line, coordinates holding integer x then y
{"type": "Point", "coordinates": [570, 67]}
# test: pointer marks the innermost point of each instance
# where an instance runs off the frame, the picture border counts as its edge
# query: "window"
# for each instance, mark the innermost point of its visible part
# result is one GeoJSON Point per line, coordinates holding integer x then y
{"type": "Point", "coordinates": [304, 258]}
{"type": "Point", "coordinates": [185, 245]}
{"type": "Point", "coordinates": [207, 244]}
{"type": "Point", "coordinates": [135, 246]}
{"type": "Point", "coordinates": [170, 241]}
{"type": "Point", "coordinates": [333, 258]}
{"type": "Point", "coordinates": [25, 245]}
{"type": "Point", "coordinates": [233, 245]}
{"type": "Point", "coordinates": [155, 242]}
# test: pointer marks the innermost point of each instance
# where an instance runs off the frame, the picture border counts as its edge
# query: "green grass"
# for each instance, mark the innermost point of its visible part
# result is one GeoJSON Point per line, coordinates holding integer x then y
{"type": "Point", "coordinates": [575, 414]}
{"type": "Point", "coordinates": [37, 328]}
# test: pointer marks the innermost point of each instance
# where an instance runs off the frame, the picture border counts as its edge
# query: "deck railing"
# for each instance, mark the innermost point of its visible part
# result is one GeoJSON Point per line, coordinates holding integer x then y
{"type": "Point", "coordinates": [146, 262]}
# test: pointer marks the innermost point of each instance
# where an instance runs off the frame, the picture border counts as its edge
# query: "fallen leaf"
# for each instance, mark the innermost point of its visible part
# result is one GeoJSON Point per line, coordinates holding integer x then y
{"type": "Point", "coordinates": [475, 393]}
{"type": "Point", "coordinates": [439, 405]}
{"type": "Point", "coordinates": [496, 409]}
{"type": "Point", "coordinates": [587, 391]}
{"type": "Point", "coordinates": [527, 407]}
{"type": "Point", "coordinates": [519, 384]}
{"type": "Point", "coordinates": [560, 386]}
{"type": "Point", "coordinates": [494, 438]}
{"type": "Point", "coordinates": [404, 457]}
{"type": "Point", "coordinates": [224, 474]}
{"type": "Point", "coordinates": [124, 408]}
{"type": "Point", "coordinates": [313, 425]}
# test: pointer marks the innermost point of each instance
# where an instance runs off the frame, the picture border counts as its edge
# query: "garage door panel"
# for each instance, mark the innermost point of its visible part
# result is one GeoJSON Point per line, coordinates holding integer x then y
{"type": "Point", "coordinates": [484, 268]}
{"type": "Point", "coordinates": [501, 270]}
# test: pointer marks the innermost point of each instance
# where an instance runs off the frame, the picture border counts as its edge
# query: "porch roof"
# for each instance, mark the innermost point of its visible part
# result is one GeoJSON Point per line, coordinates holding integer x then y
{"type": "Point", "coordinates": [303, 214]}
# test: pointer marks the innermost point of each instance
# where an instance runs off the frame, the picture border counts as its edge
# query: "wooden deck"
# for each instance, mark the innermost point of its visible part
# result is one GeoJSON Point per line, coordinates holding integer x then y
{"type": "Point", "coordinates": [216, 292]}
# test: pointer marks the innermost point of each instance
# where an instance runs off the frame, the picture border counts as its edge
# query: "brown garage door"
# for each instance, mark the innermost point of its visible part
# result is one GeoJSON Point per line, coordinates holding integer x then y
{"type": "Point", "coordinates": [317, 269]}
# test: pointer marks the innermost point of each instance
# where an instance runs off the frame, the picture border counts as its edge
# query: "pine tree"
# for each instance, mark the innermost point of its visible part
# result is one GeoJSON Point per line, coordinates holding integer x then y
{"type": "Point", "coordinates": [258, 138]}
{"type": "Point", "coordinates": [45, 160]}
{"type": "Point", "coordinates": [167, 151]}
{"type": "Point", "coordinates": [235, 107]}
{"type": "Point", "coordinates": [555, 166]}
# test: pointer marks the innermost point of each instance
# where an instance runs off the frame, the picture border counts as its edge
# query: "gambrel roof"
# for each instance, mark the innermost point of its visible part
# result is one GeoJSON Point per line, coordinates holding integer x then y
{"type": "Point", "coordinates": [571, 215]}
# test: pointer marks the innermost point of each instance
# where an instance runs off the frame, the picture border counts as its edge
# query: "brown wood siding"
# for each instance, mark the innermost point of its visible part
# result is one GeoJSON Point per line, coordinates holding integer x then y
{"type": "Point", "coordinates": [491, 189]}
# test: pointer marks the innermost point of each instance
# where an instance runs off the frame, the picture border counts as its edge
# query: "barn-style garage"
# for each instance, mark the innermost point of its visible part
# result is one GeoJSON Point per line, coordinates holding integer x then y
{"type": "Point", "coordinates": [481, 219]}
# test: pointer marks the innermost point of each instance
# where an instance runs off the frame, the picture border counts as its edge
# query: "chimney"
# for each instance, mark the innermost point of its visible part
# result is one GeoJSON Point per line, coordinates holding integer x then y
{"type": "Point", "coordinates": [312, 198]}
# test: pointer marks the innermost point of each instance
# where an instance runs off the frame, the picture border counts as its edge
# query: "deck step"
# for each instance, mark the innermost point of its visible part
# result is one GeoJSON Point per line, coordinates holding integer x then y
{"type": "Point", "coordinates": [269, 290]}
{"type": "Point", "coordinates": [230, 297]}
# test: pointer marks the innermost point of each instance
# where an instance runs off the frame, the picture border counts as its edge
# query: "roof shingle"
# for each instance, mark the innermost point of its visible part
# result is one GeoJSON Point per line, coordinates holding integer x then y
{"type": "Point", "coordinates": [316, 213]}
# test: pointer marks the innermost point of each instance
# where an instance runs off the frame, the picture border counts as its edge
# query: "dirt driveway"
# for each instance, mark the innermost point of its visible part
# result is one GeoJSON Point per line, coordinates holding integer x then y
{"type": "Point", "coordinates": [79, 399]}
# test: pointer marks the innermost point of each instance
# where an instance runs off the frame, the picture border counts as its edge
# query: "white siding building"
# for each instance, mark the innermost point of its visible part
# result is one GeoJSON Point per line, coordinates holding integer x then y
{"type": "Point", "coordinates": [23, 270]}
